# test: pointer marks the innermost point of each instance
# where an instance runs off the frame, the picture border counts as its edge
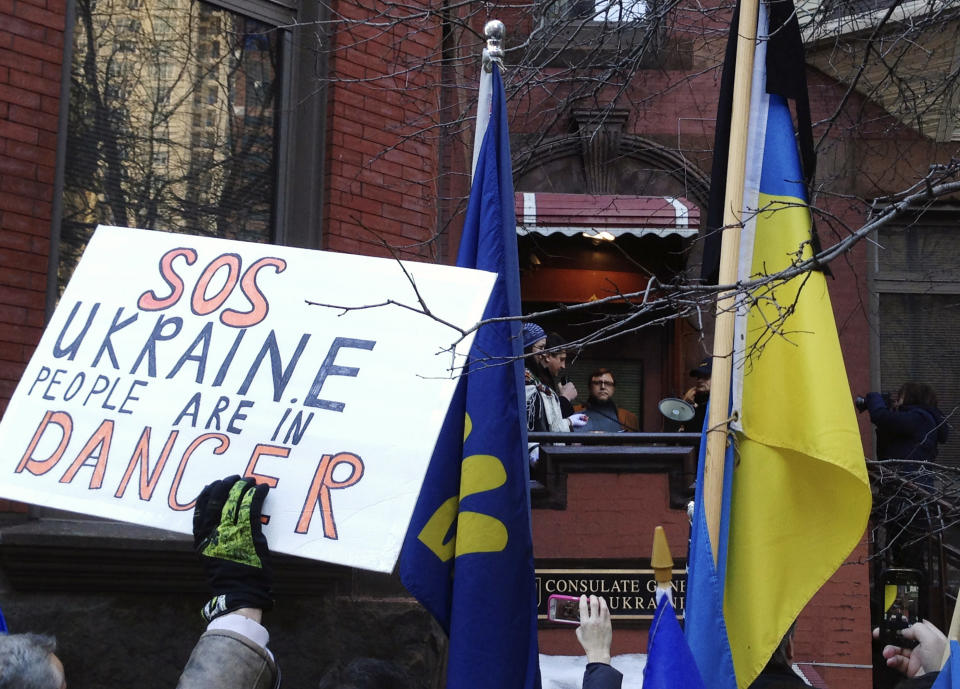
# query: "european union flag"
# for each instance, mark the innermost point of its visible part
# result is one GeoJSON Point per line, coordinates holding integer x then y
{"type": "Point", "coordinates": [468, 555]}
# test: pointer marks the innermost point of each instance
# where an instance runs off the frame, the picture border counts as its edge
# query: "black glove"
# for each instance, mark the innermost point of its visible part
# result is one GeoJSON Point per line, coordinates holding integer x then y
{"type": "Point", "coordinates": [228, 536]}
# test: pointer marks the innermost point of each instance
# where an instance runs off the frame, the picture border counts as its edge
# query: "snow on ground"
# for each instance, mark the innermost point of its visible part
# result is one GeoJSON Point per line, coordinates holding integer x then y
{"type": "Point", "coordinates": [566, 672]}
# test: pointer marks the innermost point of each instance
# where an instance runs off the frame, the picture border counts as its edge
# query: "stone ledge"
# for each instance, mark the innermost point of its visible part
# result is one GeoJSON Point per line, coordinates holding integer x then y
{"type": "Point", "coordinates": [86, 555]}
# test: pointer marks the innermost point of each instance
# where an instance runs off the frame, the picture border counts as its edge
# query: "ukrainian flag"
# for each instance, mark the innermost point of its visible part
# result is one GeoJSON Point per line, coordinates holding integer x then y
{"type": "Point", "coordinates": [800, 497]}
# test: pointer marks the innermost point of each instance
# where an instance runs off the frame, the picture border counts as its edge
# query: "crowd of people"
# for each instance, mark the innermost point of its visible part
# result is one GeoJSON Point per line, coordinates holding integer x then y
{"type": "Point", "coordinates": [233, 650]}
{"type": "Point", "coordinates": [233, 653]}
{"type": "Point", "coordinates": [918, 660]}
{"type": "Point", "coordinates": [550, 395]}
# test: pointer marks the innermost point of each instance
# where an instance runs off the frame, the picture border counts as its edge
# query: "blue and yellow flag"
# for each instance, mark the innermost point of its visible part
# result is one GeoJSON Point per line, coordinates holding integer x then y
{"type": "Point", "coordinates": [468, 553]}
{"type": "Point", "coordinates": [670, 664]}
{"type": "Point", "coordinates": [705, 627]}
{"type": "Point", "coordinates": [800, 498]}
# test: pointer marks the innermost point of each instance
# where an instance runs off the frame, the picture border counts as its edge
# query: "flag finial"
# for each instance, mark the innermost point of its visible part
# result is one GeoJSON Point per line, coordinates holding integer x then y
{"type": "Point", "coordinates": [661, 561]}
{"type": "Point", "coordinates": [495, 31]}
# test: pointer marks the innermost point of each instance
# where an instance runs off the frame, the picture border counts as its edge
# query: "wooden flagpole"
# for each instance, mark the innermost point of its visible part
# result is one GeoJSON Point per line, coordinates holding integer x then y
{"type": "Point", "coordinates": [729, 256]}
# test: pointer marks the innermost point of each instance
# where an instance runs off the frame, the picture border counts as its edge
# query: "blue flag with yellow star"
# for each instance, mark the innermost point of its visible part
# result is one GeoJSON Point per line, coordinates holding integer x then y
{"type": "Point", "coordinates": [468, 554]}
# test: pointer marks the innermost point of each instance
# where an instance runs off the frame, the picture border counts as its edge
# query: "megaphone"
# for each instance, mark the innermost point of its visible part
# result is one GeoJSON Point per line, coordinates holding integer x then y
{"type": "Point", "coordinates": [676, 409]}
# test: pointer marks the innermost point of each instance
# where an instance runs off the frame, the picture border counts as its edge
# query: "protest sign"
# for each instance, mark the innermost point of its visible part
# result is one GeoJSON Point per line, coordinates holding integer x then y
{"type": "Point", "coordinates": [173, 360]}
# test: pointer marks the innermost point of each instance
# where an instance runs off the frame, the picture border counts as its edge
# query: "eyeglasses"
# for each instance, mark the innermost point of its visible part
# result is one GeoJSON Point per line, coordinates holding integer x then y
{"type": "Point", "coordinates": [602, 383]}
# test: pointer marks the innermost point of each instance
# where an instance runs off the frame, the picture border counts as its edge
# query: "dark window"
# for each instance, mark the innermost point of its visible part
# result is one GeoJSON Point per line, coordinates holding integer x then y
{"type": "Point", "coordinates": [136, 155]}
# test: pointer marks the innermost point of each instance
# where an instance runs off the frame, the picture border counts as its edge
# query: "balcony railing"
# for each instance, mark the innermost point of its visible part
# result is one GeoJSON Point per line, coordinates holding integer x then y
{"type": "Point", "coordinates": [673, 454]}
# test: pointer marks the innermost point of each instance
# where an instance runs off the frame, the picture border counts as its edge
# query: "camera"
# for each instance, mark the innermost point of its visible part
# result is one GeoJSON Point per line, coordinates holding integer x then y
{"type": "Point", "coordinates": [889, 398]}
{"type": "Point", "coordinates": [903, 593]}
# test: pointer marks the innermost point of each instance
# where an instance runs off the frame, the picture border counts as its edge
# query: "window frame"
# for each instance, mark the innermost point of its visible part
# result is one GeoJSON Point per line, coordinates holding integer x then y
{"type": "Point", "coordinates": [300, 144]}
{"type": "Point", "coordinates": [901, 282]}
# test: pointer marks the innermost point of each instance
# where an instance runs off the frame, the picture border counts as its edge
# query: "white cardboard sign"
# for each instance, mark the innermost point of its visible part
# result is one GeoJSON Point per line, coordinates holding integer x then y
{"type": "Point", "coordinates": [173, 360]}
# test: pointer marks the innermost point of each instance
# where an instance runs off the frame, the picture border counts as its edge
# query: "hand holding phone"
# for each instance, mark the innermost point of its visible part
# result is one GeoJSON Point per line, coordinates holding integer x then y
{"type": "Point", "coordinates": [595, 632]}
{"type": "Point", "coordinates": [902, 604]}
{"type": "Point", "coordinates": [924, 657]}
{"type": "Point", "coordinates": [563, 609]}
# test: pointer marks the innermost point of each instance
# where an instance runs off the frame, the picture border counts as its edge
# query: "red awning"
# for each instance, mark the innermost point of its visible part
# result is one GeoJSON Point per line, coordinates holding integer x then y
{"type": "Point", "coordinates": [574, 214]}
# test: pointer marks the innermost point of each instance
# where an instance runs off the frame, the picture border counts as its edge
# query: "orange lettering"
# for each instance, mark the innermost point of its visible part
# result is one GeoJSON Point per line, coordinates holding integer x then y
{"type": "Point", "coordinates": [218, 450]}
{"type": "Point", "coordinates": [148, 300]}
{"type": "Point", "coordinates": [141, 455]}
{"type": "Point", "coordinates": [258, 302]}
{"type": "Point", "coordinates": [259, 451]}
{"type": "Point", "coordinates": [320, 488]}
{"type": "Point", "coordinates": [42, 466]}
{"type": "Point", "coordinates": [200, 304]}
{"type": "Point", "coordinates": [100, 439]}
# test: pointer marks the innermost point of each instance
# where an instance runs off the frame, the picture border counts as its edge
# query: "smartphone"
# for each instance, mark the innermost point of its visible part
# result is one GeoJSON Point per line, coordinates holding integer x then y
{"type": "Point", "coordinates": [564, 609]}
{"type": "Point", "coordinates": [902, 603]}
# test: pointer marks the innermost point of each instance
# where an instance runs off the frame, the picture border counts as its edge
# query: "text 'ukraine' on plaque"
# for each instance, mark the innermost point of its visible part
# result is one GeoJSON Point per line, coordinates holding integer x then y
{"type": "Point", "coordinates": [629, 591]}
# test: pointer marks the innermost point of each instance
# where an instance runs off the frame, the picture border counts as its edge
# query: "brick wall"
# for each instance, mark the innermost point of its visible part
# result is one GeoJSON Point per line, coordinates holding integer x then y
{"type": "Point", "coordinates": [31, 54]}
{"type": "Point", "coordinates": [607, 516]}
{"type": "Point", "coordinates": [383, 158]}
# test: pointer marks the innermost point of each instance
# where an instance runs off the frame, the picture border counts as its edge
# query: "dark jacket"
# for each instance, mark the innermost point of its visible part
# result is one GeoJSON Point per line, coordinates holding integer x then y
{"type": "Point", "coordinates": [619, 419]}
{"type": "Point", "coordinates": [909, 432]}
{"type": "Point", "coordinates": [922, 682]}
{"type": "Point", "coordinates": [601, 676]}
{"type": "Point", "coordinates": [777, 677]}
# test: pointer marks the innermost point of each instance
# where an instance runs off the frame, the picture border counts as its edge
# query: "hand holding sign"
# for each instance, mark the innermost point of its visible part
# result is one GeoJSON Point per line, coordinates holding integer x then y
{"type": "Point", "coordinates": [228, 536]}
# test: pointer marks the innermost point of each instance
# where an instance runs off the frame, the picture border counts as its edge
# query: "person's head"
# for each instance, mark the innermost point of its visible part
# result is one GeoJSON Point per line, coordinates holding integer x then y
{"type": "Point", "coordinates": [602, 385]}
{"type": "Point", "coordinates": [534, 342]}
{"type": "Point", "coordinates": [29, 661]}
{"type": "Point", "coordinates": [783, 655]}
{"type": "Point", "coordinates": [701, 375]}
{"type": "Point", "coordinates": [534, 338]}
{"type": "Point", "coordinates": [554, 356]}
{"type": "Point", "coordinates": [920, 394]}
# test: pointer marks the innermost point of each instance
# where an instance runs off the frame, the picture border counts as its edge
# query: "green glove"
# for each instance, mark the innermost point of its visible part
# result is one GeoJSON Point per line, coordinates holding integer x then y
{"type": "Point", "coordinates": [228, 536]}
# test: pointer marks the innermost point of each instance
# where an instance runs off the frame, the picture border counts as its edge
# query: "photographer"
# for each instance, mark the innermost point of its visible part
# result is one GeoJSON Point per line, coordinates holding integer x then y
{"type": "Point", "coordinates": [920, 665]}
{"type": "Point", "coordinates": [595, 634]}
{"type": "Point", "coordinates": [909, 427]}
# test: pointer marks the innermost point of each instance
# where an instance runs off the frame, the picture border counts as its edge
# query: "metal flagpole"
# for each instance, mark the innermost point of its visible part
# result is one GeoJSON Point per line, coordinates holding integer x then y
{"type": "Point", "coordinates": [495, 32]}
